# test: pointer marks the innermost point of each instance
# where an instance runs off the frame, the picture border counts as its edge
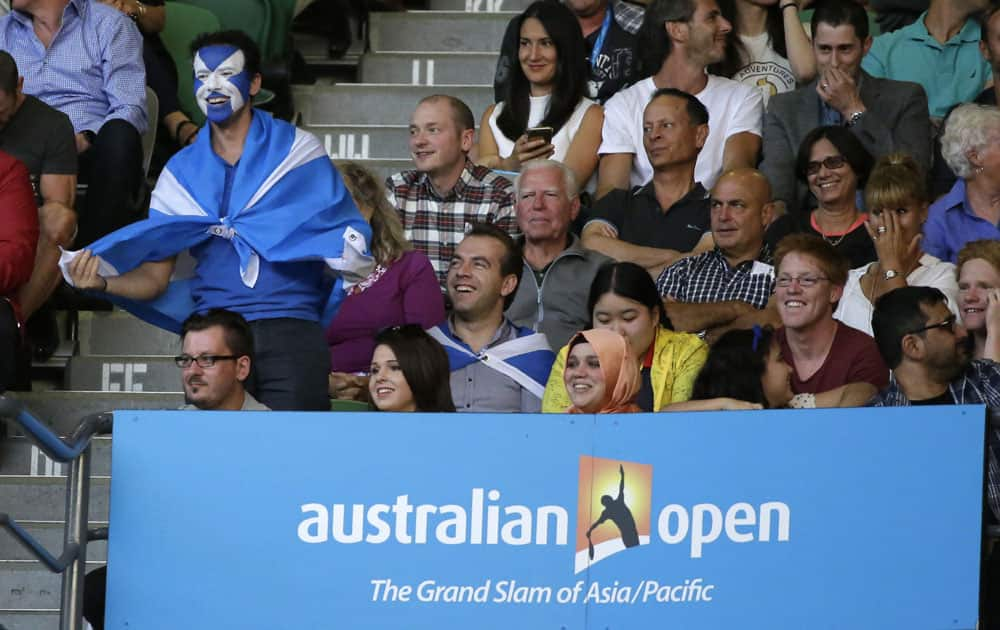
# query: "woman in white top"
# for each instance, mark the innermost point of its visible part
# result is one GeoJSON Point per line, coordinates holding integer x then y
{"type": "Point", "coordinates": [773, 52]}
{"type": "Point", "coordinates": [545, 90]}
{"type": "Point", "coordinates": [897, 197]}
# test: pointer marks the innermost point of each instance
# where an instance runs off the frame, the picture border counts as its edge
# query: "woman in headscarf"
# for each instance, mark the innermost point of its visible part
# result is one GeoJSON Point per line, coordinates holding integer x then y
{"type": "Point", "coordinates": [602, 374]}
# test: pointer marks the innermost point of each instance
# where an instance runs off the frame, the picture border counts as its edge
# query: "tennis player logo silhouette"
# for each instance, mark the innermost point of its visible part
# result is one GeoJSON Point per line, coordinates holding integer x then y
{"type": "Point", "coordinates": [614, 509]}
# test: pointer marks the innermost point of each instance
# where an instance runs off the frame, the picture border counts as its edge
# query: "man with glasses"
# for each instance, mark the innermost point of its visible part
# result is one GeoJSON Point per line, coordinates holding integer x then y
{"type": "Point", "coordinates": [216, 361]}
{"type": "Point", "coordinates": [824, 353]}
{"type": "Point", "coordinates": [886, 116]}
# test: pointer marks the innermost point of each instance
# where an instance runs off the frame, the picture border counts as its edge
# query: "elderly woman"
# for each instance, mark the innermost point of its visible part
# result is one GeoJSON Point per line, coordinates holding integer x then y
{"type": "Point", "coordinates": [979, 296]}
{"type": "Point", "coordinates": [897, 199]}
{"type": "Point", "coordinates": [971, 210]}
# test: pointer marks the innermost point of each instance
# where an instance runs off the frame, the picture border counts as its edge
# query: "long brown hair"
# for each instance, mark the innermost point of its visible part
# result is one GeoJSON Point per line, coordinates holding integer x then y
{"type": "Point", "coordinates": [388, 239]}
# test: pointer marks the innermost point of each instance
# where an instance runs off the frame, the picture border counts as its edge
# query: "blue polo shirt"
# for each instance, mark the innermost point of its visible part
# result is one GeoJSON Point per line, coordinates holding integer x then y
{"type": "Point", "coordinates": [951, 223]}
{"type": "Point", "coordinates": [295, 289]}
{"type": "Point", "coordinates": [951, 73]}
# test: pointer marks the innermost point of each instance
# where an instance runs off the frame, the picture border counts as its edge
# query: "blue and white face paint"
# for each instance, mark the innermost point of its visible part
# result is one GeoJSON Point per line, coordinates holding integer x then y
{"type": "Point", "coordinates": [221, 81]}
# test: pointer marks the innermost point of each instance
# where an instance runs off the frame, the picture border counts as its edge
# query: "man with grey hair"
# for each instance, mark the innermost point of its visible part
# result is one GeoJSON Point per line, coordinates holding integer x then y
{"type": "Point", "coordinates": [968, 212]}
{"type": "Point", "coordinates": [558, 269]}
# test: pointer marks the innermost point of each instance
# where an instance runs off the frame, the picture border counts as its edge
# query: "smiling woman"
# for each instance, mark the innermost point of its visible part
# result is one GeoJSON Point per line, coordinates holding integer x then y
{"type": "Point", "coordinates": [409, 372]}
{"type": "Point", "coordinates": [602, 374]}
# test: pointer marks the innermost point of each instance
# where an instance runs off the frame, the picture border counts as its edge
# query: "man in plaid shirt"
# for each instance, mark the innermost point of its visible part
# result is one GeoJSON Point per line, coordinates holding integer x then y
{"type": "Point", "coordinates": [929, 352]}
{"type": "Point", "coordinates": [447, 193]}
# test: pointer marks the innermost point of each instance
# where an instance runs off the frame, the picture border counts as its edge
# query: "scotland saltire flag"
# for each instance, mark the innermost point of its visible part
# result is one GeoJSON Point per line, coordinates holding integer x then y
{"type": "Point", "coordinates": [287, 203]}
{"type": "Point", "coordinates": [527, 359]}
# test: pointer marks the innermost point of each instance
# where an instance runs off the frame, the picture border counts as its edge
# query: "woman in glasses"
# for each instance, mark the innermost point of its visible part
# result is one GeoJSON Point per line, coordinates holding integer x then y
{"type": "Point", "coordinates": [409, 372]}
{"type": "Point", "coordinates": [835, 166]}
{"type": "Point", "coordinates": [401, 289]}
{"type": "Point", "coordinates": [979, 296]}
{"type": "Point", "coordinates": [897, 198]}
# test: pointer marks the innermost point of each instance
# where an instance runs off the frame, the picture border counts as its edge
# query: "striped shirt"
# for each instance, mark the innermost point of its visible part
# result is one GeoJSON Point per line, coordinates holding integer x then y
{"type": "Point", "coordinates": [92, 70]}
{"type": "Point", "coordinates": [436, 224]}
{"type": "Point", "coordinates": [978, 385]}
{"type": "Point", "coordinates": [709, 278]}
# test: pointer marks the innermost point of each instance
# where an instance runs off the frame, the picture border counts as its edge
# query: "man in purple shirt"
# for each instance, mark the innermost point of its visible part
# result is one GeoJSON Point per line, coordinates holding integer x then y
{"type": "Point", "coordinates": [84, 58]}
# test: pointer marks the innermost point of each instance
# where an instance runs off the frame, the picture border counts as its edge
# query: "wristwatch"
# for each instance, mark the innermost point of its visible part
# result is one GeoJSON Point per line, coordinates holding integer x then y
{"type": "Point", "coordinates": [854, 118]}
{"type": "Point", "coordinates": [890, 274]}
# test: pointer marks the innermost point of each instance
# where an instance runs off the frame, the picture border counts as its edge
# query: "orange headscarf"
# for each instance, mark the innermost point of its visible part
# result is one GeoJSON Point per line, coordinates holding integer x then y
{"type": "Point", "coordinates": [619, 367]}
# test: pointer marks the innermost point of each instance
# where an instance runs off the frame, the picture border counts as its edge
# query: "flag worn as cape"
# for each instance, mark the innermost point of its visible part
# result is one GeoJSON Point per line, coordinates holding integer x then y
{"type": "Point", "coordinates": [287, 203]}
{"type": "Point", "coordinates": [527, 359]}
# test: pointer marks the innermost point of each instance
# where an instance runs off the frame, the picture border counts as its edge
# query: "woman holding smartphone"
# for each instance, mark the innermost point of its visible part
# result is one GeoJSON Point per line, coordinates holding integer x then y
{"type": "Point", "coordinates": [545, 114]}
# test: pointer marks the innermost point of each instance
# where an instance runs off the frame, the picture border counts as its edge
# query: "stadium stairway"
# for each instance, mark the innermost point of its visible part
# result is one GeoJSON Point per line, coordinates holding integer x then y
{"type": "Point", "coordinates": [122, 363]}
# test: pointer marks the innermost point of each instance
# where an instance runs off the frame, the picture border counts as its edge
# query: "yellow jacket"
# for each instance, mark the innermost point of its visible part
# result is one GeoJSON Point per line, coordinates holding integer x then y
{"type": "Point", "coordinates": [677, 359]}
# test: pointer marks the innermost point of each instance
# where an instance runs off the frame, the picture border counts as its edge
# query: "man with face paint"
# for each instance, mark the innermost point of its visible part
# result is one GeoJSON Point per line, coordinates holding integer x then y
{"type": "Point", "coordinates": [259, 207]}
{"type": "Point", "coordinates": [84, 58]}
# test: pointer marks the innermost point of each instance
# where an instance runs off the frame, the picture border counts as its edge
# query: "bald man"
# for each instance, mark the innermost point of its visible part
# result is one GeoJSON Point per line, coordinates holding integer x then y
{"type": "Point", "coordinates": [731, 285]}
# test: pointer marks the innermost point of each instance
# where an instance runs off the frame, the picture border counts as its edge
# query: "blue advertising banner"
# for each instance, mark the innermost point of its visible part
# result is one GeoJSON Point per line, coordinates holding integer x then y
{"type": "Point", "coordinates": [848, 519]}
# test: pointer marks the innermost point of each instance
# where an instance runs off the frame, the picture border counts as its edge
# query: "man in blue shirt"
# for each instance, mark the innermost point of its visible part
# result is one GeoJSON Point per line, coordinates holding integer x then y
{"type": "Point", "coordinates": [84, 58]}
{"type": "Point", "coordinates": [259, 207]}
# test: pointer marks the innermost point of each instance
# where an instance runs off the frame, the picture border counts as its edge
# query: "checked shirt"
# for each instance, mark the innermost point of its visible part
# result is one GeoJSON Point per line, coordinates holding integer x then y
{"type": "Point", "coordinates": [709, 278]}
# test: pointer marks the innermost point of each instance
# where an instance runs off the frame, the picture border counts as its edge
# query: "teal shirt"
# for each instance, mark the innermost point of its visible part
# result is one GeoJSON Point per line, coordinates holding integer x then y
{"type": "Point", "coordinates": [951, 73]}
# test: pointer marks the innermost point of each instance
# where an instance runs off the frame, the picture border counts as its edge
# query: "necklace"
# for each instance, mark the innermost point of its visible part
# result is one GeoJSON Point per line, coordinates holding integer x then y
{"type": "Point", "coordinates": [828, 237]}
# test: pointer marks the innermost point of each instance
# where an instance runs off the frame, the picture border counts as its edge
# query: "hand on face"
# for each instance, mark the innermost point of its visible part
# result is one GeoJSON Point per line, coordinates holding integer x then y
{"type": "Point", "coordinates": [992, 311]}
{"type": "Point", "coordinates": [894, 250]}
{"type": "Point", "coordinates": [839, 91]}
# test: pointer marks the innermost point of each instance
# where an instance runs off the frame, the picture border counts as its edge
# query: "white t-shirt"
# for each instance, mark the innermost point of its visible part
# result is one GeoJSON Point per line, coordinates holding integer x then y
{"type": "Point", "coordinates": [732, 108]}
{"type": "Point", "coordinates": [764, 68]}
{"type": "Point", "coordinates": [855, 310]}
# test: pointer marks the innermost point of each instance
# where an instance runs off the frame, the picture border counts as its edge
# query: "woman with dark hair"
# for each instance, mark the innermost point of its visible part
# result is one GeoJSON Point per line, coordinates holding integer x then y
{"type": "Point", "coordinates": [771, 45]}
{"type": "Point", "coordinates": [409, 372]}
{"type": "Point", "coordinates": [546, 89]}
{"type": "Point", "coordinates": [601, 374]}
{"type": "Point", "coordinates": [835, 166]}
{"type": "Point", "coordinates": [624, 299]}
{"type": "Point", "coordinates": [402, 288]}
{"type": "Point", "coordinates": [746, 365]}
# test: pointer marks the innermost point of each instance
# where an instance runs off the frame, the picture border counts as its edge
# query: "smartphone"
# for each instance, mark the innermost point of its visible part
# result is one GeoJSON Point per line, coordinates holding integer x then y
{"type": "Point", "coordinates": [545, 133]}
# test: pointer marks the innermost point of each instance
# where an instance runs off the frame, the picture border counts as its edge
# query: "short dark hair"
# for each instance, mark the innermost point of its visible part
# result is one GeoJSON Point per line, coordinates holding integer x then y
{"type": "Point", "coordinates": [628, 280]}
{"type": "Point", "coordinates": [511, 263]}
{"type": "Point", "coordinates": [424, 364]}
{"type": "Point", "coordinates": [838, 12]}
{"type": "Point", "coordinates": [735, 366]}
{"type": "Point", "coordinates": [653, 43]}
{"type": "Point", "coordinates": [236, 331]}
{"type": "Point", "coordinates": [239, 39]}
{"type": "Point", "coordinates": [858, 157]}
{"type": "Point", "coordinates": [460, 112]}
{"type": "Point", "coordinates": [8, 73]}
{"type": "Point", "coordinates": [897, 314]}
{"type": "Point", "coordinates": [696, 110]}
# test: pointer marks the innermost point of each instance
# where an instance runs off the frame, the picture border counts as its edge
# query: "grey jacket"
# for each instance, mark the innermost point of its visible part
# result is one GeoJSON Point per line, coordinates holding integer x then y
{"type": "Point", "coordinates": [558, 308]}
{"type": "Point", "coordinates": [897, 119]}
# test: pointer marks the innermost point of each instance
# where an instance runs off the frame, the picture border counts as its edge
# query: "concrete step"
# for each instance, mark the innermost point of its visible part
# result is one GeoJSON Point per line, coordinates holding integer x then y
{"type": "Point", "coordinates": [378, 104]}
{"type": "Point", "coordinates": [44, 498]}
{"type": "Point", "coordinates": [63, 410]}
{"type": "Point", "coordinates": [19, 456]}
{"type": "Point", "coordinates": [437, 31]}
{"type": "Point", "coordinates": [123, 373]}
{"type": "Point", "coordinates": [50, 534]}
{"type": "Point", "coordinates": [29, 585]}
{"type": "Point", "coordinates": [428, 68]}
{"type": "Point", "coordinates": [362, 142]}
{"type": "Point", "coordinates": [315, 49]}
{"type": "Point", "coordinates": [479, 6]}
{"type": "Point", "coordinates": [45, 619]}
{"type": "Point", "coordinates": [118, 332]}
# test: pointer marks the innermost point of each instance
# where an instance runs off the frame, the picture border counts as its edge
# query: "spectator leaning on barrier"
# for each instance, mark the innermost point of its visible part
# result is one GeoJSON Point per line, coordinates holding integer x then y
{"type": "Point", "coordinates": [824, 353]}
{"type": "Point", "coordinates": [439, 200]}
{"type": "Point", "coordinates": [275, 235]}
{"type": "Point", "coordinates": [656, 224]}
{"type": "Point", "coordinates": [495, 365]}
{"type": "Point", "coordinates": [552, 294]}
{"type": "Point", "coordinates": [678, 40]}
{"type": "Point", "coordinates": [216, 359]}
{"type": "Point", "coordinates": [884, 115]}
{"type": "Point", "coordinates": [929, 353]}
{"type": "Point", "coordinates": [84, 58]}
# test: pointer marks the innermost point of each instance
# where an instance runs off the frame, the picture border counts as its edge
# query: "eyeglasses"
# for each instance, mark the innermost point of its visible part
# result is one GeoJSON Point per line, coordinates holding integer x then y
{"type": "Point", "coordinates": [806, 282]}
{"type": "Point", "coordinates": [948, 323]}
{"type": "Point", "coordinates": [203, 361]}
{"type": "Point", "coordinates": [831, 163]}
